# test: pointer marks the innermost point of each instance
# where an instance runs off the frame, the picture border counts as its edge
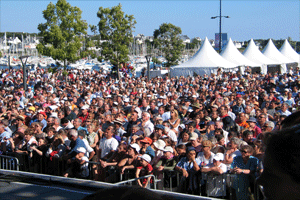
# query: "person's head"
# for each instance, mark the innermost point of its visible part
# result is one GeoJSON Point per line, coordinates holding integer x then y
{"type": "Point", "coordinates": [133, 149]}
{"type": "Point", "coordinates": [246, 151]}
{"type": "Point", "coordinates": [217, 159]}
{"type": "Point", "coordinates": [262, 118]}
{"type": "Point", "coordinates": [73, 135]}
{"type": "Point", "coordinates": [109, 132]}
{"type": "Point", "coordinates": [281, 176]}
{"type": "Point", "coordinates": [194, 139]}
{"type": "Point", "coordinates": [268, 126]}
{"type": "Point", "coordinates": [234, 143]}
{"type": "Point", "coordinates": [42, 141]}
{"type": "Point", "coordinates": [181, 149]}
{"type": "Point", "coordinates": [207, 145]}
{"type": "Point", "coordinates": [145, 116]}
{"type": "Point", "coordinates": [220, 139]}
{"type": "Point", "coordinates": [145, 160]}
{"type": "Point", "coordinates": [77, 122]}
{"type": "Point", "coordinates": [190, 152]}
{"type": "Point", "coordinates": [248, 136]}
{"type": "Point", "coordinates": [50, 131]}
{"type": "Point", "coordinates": [146, 142]}
{"type": "Point", "coordinates": [41, 116]}
{"type": "Point", "coordinates": [168, 151]}
{"type": "Point", "coordinates": [174, 114]}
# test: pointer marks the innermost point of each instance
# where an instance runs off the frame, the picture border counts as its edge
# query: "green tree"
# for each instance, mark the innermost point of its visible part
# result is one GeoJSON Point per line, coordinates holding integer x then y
{"type": "Point", "coordinates": [62, 32]}
{"type": "Point", "coordinates": [167, 39]}
{"type": "Point", "coordinates": [115, 30]}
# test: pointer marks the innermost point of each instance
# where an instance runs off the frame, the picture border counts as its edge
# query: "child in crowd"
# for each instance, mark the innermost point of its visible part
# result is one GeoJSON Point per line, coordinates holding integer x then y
{"type": "Point", "coordinates": [79, 167]}
{"type": "Point", "coordinates": [144, 169]}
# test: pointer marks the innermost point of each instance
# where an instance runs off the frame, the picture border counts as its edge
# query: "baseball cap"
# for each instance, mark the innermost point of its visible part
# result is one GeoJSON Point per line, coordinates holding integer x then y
{"type": "Point", "coordinates": [81, 150]}
{"type": "Point", "coordinates": [146, 157]}
{"type": "Point", "coordinates": [147, 140]}
{"type": "Point", "coordinates": [218, 157]}
{"type": "Point", "coordinates": [136, 147]}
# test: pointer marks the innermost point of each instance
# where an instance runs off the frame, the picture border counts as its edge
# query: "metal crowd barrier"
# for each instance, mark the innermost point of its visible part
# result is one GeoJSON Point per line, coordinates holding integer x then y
{"type": "Point", "coordinates": [130, 181]}
{"type": "Point", "coordinates": [9, 163]}
{"type": "Point", "coordinates": [214, 185]}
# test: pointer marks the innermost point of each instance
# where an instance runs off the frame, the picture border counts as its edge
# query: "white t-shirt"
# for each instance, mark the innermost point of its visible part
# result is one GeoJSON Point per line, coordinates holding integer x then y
{"type": "Point", "coordinates": [88, 148]}
{"type": "Point", "coordinates": [108, 145]}
{"type": "Point", "coordinates": [84, 168]}
{"type": "Point", "coordinates": [202, 158]}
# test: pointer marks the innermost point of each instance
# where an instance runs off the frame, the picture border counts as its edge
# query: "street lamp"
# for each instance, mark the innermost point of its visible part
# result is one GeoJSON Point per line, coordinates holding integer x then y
{"type": "Point", "coordinates": [148, 57]}
{"type": "Point", "coordinates": [24, 71]}
{"type": "Point", "coordinates": [220, 28]}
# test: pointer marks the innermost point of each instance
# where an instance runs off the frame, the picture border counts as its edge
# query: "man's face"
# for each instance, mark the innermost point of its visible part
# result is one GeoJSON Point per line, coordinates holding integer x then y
{"type": "Point", "coordinates": [40, 117]}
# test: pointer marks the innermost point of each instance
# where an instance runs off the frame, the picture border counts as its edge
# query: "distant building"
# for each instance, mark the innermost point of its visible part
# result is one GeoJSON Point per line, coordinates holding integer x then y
{"type": "Point", "coordinates": [185, 39]}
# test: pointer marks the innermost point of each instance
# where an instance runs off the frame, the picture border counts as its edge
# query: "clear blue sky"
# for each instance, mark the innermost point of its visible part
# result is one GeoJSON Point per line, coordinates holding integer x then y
{"type": "Point", "coordinates": [248, 19]}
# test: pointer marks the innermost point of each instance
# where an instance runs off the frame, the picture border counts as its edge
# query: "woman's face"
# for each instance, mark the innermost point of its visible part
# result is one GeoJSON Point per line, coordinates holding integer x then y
{"type": "Point", "coordinates": [222, 141]}
{"type": "Point", "coordinates": [185, 137]}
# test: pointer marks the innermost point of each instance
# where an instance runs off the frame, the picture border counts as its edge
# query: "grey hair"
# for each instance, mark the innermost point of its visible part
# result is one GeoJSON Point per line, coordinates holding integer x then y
{"type": "Point", "coordinates": [74, 132]}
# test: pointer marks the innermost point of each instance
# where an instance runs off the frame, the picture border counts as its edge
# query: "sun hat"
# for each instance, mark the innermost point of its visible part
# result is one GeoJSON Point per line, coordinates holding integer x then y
{"type": "Point", "coordinates": [160, 144]}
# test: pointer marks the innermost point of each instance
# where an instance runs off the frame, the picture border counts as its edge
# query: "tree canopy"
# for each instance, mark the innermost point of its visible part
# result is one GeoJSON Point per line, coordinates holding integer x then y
{"type": "Point", "coordinates": [62, 32]}
{"type": "Point", "coordinates": [115, 28]}
{"type": "Point", "coordinates": [167, 39]}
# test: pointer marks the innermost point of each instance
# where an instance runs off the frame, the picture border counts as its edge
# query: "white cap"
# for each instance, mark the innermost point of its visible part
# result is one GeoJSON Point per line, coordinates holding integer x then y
{"type": "Point", "coordinates": [136, 147]}
{"type": "Point", "coordinates": [218, 157]}
{"type": "Point", "coordinates": [85, 107]}
{"type": "Point", "coordinates": [81, 150]}
{"type": "Point", "coordinates": [168, 149]}
{"type": "Point", "coordinates": [146, 157]}
{"type": "Point", "coordinates": [194, 136]}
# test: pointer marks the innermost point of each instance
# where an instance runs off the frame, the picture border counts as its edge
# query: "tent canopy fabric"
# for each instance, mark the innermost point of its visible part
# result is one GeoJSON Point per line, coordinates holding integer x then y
{"type": "Point", "coordinates": [252, 53]}
{"type": "Point", "coordinates": [287, 50]}
{"type": "Point", "coordinates": [205, 61]}
{"type": "Point", "coordinates": [232, 54]}
{"type": "Point", "coordinates": [273, 53]}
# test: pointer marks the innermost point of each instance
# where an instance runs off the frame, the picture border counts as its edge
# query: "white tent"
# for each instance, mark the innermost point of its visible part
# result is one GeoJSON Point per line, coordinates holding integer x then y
{"type": "Point", "coordinates": [252, 53]}
{"type": "Point", "coordinates": [272, 52]}
{"type": "Point", "coordinates": [289, 52]}
{"type": "Point", "coordinates": [232, 54]}
{"type": "Point", "coordinates": [205, 61]}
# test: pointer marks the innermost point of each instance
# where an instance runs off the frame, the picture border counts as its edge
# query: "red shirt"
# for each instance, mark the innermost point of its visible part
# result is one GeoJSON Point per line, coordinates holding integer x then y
{"type": "Point", "coordinates": [145, 171]}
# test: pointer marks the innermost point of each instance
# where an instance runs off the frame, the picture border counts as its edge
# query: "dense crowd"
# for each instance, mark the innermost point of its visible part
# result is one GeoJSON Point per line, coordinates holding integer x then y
{"type": "Point", "coordinates": [211, 124]}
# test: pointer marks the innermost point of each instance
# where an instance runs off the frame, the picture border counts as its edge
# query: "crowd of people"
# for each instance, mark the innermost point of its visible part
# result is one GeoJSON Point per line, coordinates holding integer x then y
{"type": "Point", "coordinates": [194, 125]}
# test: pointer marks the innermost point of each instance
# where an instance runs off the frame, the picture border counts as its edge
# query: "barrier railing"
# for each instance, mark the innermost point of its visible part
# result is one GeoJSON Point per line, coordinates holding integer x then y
{"type": "Point", "coordinates": [168, 180]}
{"type": "Point", "coordinates": [9, 163]}
{"type": "Point", "coordinates": [130, 181]}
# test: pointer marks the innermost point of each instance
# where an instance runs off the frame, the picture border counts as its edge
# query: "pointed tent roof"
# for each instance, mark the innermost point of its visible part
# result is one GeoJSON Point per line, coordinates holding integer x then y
{"type": "Point", "coordinates": [206, 56]}
{"type": "Point", "coordinates": [232, 54]}
{"type": "Point", "coordinates": [252, 53]}
{"type": "Point", "coordinates": [287, 50]}
{"type": "Point", "coordinates": [273, 53]}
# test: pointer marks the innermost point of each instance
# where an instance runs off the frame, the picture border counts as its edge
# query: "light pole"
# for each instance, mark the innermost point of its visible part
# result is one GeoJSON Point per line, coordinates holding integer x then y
{"type": "Point", "coordinates": [220, 28]}
{"type": "Point", "coordinates": [148, 57]}
{"type": "Point", "coordinates": [24, 71]}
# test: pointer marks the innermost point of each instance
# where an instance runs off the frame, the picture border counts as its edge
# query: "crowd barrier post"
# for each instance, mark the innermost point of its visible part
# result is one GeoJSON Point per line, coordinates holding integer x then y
{"type": "Point", "coordinates": [9, 163]}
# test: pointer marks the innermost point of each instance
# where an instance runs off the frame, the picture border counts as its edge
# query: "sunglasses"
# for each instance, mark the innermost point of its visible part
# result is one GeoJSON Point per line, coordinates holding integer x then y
{"type": "Point", "coordinates": [244, 151]}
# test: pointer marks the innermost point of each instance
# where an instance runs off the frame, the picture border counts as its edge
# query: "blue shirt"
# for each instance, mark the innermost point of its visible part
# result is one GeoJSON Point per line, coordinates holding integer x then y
{"type": "Point", "coordinates": [78, 143]}
{"type": "Point", "coordinates": [251, 164]}
{"type": "Point", "coordinates": [185, 164]}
